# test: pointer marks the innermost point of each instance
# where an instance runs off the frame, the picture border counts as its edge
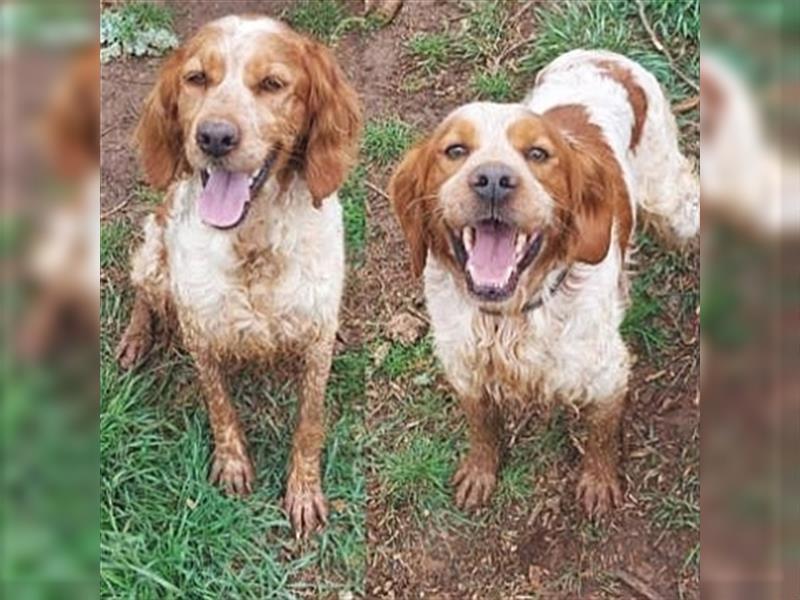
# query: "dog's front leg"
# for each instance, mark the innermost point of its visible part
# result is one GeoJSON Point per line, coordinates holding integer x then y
{"type": "Point", "coordinates": [598, 487]}
{"type": "Point", "coordinates": [304, 501]}
{"type": "Point", "coordinates": [231, 467]}
{"type": "Point", "coordinates": [476, 477]}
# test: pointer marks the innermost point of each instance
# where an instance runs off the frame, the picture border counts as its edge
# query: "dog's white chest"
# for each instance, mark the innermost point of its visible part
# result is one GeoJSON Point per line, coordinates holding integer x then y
{"type": "Point", "coordinates": [202, 265]}
{"type": "Point", "coordinates": [569, 350]}
{"type": "Point", "coordinates": [277, 284]}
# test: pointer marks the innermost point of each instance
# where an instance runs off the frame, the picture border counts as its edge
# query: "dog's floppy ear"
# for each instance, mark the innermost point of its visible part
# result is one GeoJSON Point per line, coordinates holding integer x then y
{"type": "Point", "coordinates": [593, 193]}
{"type": "Point", "coordinates": [334, 122]}
{"type": "Point", "coordinates": [407, 191]}
{"type": "Point", "coordinates": [158, 136]}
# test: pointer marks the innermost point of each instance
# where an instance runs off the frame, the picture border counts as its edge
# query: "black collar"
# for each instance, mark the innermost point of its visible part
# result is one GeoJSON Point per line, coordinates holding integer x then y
{"type": "Point", "coordinates": [533, 303]}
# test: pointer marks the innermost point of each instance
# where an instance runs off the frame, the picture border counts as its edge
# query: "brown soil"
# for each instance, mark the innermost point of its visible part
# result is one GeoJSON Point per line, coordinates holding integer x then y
{"type": "Point", "coordinates": [518, 553]}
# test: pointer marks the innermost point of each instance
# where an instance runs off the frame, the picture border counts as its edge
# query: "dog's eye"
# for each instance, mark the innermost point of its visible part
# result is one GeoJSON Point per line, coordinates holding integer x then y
{"type": "Point", "coordinates": [197, 78]}
{"type": "Point", "coordinates": [271, 84]}
{"type": "Point", "coordinates": [537, 154]}
{"type": "Point", "coordinates": [456, 151]}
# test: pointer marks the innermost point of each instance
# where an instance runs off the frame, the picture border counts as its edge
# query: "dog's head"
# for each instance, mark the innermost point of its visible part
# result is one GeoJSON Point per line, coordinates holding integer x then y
{"type": "Point", "coordinates": [500, 195]}
{"type": "Point", "coordinates": [243, 100]}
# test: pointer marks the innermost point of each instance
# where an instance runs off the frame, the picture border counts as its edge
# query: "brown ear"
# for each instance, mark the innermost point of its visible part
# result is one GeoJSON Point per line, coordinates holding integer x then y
{"type": "Point", "coordinates": [407, 192]}
{"type": "Point", "coordinates": [158, 135]}
{"type": "Point", "coordinates": [592, 192]}
{"type": "Point", "coordinates": [334, 121]}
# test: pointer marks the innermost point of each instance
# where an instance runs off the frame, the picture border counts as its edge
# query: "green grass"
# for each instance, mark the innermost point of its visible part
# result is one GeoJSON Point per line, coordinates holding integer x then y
{"type": "Point", "coordinates": [515, 483]}
{"type": "Point", "coordinates": [645, 324]}
{"type": "Point", "coordinates": [386, 140]}
{"type": "Point", "coordinates": [165, 528]}
{"type": "Point", "coordinates": [49, 426]}
{"type": "Point", "coordinates": [148, 196]}
{"type": "Point", "coordinates": [166, 531]}
{"type": "Point", "coordinates": [615, 26]}
{"type": "Point", "coordinates": [478, 41]}
{"type": "Point", "coordinates": [136, 29]}
{"type": "Point", "coordinates": [328, 20]}
{"type": "Point", "coordinates": [114, 244]}
{"type": "Point", "coordinates": [484, 31]}
{"type": "Point", "coordinates": [320, 18]}
{"type": "Point", "coordinates": [640, 325]}
{"type": "Point", "coordinates": [495, 86]}
{"type": "Point", "coordinates": [353, 196]}
{"type": "Point", "coordinates": [418, 474]}
{"type": "Point", "coordinates": [404, 359]}
{"type": "Point", "coordinates": [431, 51]}
{"type": "Point", "coordinates": [678, 508]}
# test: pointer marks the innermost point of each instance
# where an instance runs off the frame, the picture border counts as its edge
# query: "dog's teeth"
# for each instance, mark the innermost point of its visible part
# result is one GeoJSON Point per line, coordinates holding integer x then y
{"type": "Point", "coordinates": [468, 238]}
{"type": "Point", "coordinates": [522, 240]}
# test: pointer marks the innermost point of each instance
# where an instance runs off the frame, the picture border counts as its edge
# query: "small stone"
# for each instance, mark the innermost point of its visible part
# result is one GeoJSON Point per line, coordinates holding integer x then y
{"type": "Point", "coordinates": [536, 576]}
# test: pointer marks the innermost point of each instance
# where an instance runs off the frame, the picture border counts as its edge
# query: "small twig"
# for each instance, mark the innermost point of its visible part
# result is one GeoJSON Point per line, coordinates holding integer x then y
{"type": "Point", "coordinates": [513, 48]}
{"type": "Point", "coordinates": [687, 105]}
{"type": "Point", "coordinates": [513, 18]}
{"type": "Point", "coordinates": [519, 427]}
{"type": "Point", "coordinates": [377, 190]}
{"type": "Point", "coordinates": [108, 129]}
{"type": "Point", "coordinates": [637, 585]}
{"type": "Point", "coordinates": [661, 48]}
{"type": "Point", "coordinates": [115, 209]}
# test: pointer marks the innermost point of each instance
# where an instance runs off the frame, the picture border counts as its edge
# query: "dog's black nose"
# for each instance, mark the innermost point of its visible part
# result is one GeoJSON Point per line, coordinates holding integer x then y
{"type": "Point", "coordinates": [217, 138]}
{"type": "Point", "coordinates": [493, 181]}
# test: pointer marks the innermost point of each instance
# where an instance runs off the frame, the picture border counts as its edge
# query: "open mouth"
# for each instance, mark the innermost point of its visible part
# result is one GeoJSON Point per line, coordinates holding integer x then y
{"type": "Point", "coordinates": [226, 194]}
{"type": "Point", "coordinates": [493, 254]}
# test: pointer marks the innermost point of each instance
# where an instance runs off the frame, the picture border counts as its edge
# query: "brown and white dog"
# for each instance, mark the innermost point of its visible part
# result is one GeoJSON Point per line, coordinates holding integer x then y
{"type": "Point", "coordinates": [520, 217]}
{"type": "Point", "coordinates": [252, 128]}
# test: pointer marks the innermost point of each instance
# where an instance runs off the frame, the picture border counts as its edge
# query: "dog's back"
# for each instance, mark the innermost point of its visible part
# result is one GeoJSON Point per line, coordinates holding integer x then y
{"type": "Point", "coordinates": [627, 103]}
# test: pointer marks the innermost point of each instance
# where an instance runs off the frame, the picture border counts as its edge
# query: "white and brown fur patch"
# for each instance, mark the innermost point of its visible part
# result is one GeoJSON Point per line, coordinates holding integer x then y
{"type": "Point", "coordinates": [613, 152]}
{"type": "Point", "coordinates": [272, 285]}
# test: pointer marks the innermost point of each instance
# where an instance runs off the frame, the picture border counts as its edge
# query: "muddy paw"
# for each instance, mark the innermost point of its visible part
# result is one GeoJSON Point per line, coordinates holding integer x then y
{"type": "Point", "coordinates": [133, 347]}
{"type": "Point", "coordinates": [599, 492]}
{"type": "Point", "coordinates": [233, 472]}
{"type": "Point", "coordinates": [474, 481]}
{"type": "Point", "coordinates": [306, 507]}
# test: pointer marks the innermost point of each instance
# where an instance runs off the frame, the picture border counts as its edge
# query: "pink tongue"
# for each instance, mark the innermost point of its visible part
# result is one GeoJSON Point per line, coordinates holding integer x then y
{"type": "Point", "coordinates": [224, 198]}
{"type": "Point", "coordinates": [492, 258]}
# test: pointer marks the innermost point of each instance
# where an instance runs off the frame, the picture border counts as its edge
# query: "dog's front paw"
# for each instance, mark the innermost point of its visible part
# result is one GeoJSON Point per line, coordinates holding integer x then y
{"type": "Point", "coordinates": [599, 491]}
{"type": "Point", "coordinates": [305, 504]}
{"type": "Point", "coordinates": [133, 347]}
{"type": "Point", "coordinates": [474, 481]}
{"type": "Point", "coordinates": [233, 472]}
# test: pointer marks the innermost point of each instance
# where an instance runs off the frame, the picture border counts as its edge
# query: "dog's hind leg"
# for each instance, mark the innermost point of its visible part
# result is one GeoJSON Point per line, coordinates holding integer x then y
{"type": "Point", "coordinates": [667, 185]}
{"type": "Point", "coordinates": [137, 340]}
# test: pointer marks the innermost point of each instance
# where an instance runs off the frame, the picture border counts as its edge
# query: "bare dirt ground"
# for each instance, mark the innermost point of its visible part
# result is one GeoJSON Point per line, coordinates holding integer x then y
{"type": "Point", "coordinates": [529, 543]}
